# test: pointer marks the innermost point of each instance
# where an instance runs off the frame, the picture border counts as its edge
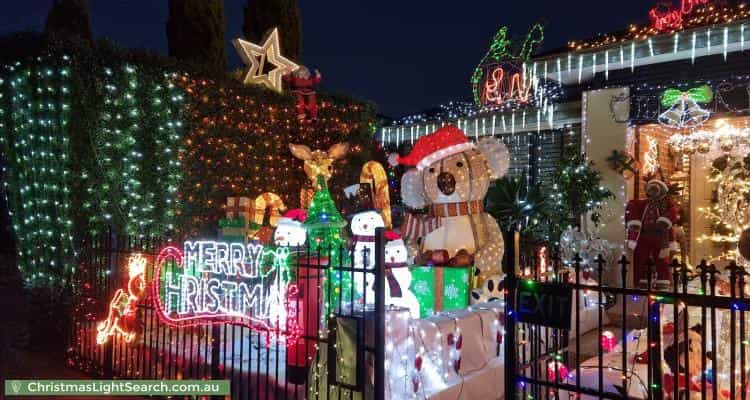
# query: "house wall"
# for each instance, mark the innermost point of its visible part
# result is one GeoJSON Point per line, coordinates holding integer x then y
{"type": "Point", "coordinates": [601, 134]}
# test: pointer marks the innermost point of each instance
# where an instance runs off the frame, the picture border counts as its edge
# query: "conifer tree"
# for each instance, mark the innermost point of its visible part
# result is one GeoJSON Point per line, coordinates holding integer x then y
{"type": "Point", "coordinates": [263, 15]}
{"type": "Point", "coordinates": [195, 33]}
{"type": "Point", "coordinates": [69, 18]}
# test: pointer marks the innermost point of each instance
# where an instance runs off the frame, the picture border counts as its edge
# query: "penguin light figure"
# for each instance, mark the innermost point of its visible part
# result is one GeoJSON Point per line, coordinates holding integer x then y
{"type": "Point", "coordinates": [397, 291]}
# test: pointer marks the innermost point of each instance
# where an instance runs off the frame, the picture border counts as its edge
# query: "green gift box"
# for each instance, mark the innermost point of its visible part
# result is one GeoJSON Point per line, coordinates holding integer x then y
{"type": "Point", "coordinates": [440, 288]}
{"type": "Point", "coordinates": [233, 239]}
{"type": "Point", "coordinates": [232, 223]}
{"type": "Point", "coordinates": [233, 230]}
{"type": "Point", "coordinates": [233, 235]}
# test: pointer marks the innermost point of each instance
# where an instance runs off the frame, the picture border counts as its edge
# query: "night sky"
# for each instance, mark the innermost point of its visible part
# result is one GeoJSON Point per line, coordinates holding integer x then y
{"type": "Point", "coordinates": [405, 55]}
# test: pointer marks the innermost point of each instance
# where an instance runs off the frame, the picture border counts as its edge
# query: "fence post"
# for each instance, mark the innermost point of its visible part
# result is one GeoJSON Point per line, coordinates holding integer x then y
{"type": "Point", "coordinates": [654, 337]}
{"type": "Point", "coordinates": [215, 351]}
{"type": "Point", "coordinates": [216, 372]}
{"type": "Point", "coordinates": [509, 267]}
{"type": "Point", "coordinates": [111, 249]}
{"type": "Point", "coordinates": [379, 314]}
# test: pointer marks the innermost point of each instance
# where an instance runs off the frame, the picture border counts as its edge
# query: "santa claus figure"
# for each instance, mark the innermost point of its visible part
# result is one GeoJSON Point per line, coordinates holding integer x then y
{"type": "Point", "coordinates": [303, 84]}
{"type": "Point", "coordinates": [649, 222]}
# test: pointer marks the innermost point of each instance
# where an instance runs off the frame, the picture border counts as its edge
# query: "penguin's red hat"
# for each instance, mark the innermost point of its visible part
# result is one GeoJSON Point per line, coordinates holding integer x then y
{"type": "Point", "coordinates": [392, 235]}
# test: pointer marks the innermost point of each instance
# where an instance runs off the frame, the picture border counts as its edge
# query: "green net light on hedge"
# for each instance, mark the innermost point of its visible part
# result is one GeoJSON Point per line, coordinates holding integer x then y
{"type": "Point", "coordinates": [34, 100]}
{"type": "Point", "coordinates": [97, 137]}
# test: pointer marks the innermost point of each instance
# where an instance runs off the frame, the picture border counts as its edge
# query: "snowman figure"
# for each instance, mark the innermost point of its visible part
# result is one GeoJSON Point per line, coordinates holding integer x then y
{"type": "Point", "coordinates": [290, 231]}
{"type": "Point", "coordinates": [363, 239]}
{"type": "Point", "coordinates": [289, 237]}
{"type": "Point", "coordinates": [363, 245]}
{"type": "Point", "coordinates": [398, 276]}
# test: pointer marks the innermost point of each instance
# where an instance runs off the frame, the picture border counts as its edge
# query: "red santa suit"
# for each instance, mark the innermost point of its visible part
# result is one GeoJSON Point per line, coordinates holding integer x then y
{"type": "Point", "coordinates": [303, 86]}
{"type": "Point", "coordinates": [649, 223]}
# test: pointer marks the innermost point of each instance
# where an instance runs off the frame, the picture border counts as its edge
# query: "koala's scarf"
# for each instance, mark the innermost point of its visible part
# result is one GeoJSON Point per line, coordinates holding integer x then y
{"type": "Point", "coordinates": [418, 225]}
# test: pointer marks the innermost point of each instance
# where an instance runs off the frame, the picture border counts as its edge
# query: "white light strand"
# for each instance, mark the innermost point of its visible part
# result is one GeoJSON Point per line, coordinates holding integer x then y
{"type": "Point", "coordinates": [692, 51]}
{"type": "Point", "coordinates": [650, 47]}
{"type": "Point", "coordinates": [593, 64]}
{"type": "Point", "coordinates": [726, 41]}
{"type": "Point", "coordinates": [580, 68]}
{"type": "Point", "coordinates": [606, 65]}
{"type": "Point", "coordinates": [742, 37]}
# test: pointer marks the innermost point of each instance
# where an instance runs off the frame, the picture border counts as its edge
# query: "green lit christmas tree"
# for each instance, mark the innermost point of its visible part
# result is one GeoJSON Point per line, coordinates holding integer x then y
{"type": "Point", "coordinates": [324, 225]}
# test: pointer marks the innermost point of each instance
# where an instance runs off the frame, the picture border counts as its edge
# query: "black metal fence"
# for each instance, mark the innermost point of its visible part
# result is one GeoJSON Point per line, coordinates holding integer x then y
{"type": "Point", "coordinates": [688, 339]}
{"type": "Point", "coordinates": [260, 363]}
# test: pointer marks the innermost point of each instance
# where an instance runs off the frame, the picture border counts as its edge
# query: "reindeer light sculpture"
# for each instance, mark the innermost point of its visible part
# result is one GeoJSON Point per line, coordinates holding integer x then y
{"type": "Point", "coordinates": [317, 163]}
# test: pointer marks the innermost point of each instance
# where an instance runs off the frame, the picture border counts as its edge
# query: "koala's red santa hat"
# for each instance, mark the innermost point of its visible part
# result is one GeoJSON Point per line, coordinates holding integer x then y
{"type": "Point", "coordinates": [442, 143]}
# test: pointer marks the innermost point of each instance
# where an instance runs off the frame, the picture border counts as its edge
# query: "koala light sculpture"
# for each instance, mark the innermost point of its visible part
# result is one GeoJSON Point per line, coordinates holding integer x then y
{"type": "Point", "coordinates": [451, 178]}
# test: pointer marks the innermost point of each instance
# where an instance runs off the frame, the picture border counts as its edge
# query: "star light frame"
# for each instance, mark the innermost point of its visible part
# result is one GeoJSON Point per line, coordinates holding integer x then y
{"type": "Point", "coordinates": [255, 57]}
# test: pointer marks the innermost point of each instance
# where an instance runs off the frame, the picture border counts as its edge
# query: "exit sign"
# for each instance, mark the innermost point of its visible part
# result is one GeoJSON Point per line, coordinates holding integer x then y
{"type": "Point", "coordinates": [544, 303]}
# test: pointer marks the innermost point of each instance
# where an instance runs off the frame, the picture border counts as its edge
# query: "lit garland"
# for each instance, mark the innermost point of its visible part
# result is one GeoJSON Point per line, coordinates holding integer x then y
{"type": "Point", "coordinates": [443, 112]}
{"type": "Point", "coordinates": [725, 136]}
{"type": "Point", "coordinates": [701, 15]}
{"type": "Point", "coordinates": [730, 211]}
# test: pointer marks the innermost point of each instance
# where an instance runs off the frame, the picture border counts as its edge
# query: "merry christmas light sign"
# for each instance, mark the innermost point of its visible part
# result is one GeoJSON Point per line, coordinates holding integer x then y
{"type": "Point", "coordinates": [210, 282]}
{"type": "Point", "coordinates": [207, 282]}
{"type": "Point", "coordinates": [665, 18]}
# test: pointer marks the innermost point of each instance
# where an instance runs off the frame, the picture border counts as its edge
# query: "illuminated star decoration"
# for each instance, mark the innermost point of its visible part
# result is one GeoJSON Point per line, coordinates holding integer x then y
{"type": "Point", "coordinates": [255, 56]}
